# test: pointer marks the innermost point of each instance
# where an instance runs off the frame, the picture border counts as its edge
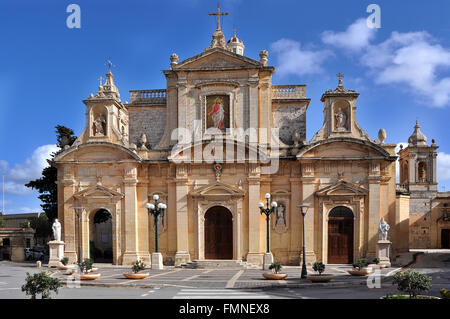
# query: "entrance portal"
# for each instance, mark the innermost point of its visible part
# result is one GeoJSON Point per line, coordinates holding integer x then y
{"type": "Point", "coordinates": [218, 233]}
{"type": "Point", "coordinates": [445, 238]}
{"type": "Point", "coordinates": [101, 246]}
{"type": "Point", "coordinates": [340, 236]}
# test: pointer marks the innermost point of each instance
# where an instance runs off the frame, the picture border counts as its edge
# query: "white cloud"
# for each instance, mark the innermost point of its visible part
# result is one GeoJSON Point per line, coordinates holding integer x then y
{"type": "Point", "coordinates": [414, 59]}
{"type": "Point", "coordinates": [292, 59]}
{"type": "Point", "coordinates": [443, 167]}
{"type": "Point", "coordinates": [355, 38]}
{"type": "Point", "coordinates": [24, 172]}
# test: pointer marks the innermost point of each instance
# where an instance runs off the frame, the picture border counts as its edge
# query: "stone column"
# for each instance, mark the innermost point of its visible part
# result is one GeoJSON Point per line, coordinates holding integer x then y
{"type": "Point", "coordinates": [131, 221]}
{"type": "Point", "coordinates": [308, 198]}
{"type": "Point", "coordinates": [182, 256]}
{"type": "Point", "coordinates": [69, 221]}
{"type": "Point", "coordinates": [374, 215]}
{"type": "Point", "coordinates": [253, 106]}
{"type": "Point", "coordinates": [255, 249]}
{"type": "Point", "coordinates": [295, 216]}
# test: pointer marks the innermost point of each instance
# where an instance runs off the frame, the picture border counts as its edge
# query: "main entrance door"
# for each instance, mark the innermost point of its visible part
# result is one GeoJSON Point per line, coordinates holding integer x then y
{"type": "Point", "coordinates": [445, 238]}
{"type": "Point", "coordinates": [340, 236]}
{"type": "Point", "coordinates": [218, 233]}
{"type": "Point", "coordinates": [101, 245]}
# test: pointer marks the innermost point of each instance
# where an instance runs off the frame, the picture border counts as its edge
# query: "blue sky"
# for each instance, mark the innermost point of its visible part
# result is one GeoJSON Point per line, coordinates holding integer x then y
{"type": "Point", "coordinates": [401, 70]}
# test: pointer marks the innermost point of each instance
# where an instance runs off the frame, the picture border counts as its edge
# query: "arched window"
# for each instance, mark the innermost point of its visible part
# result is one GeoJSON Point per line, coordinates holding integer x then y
{"type": "Point", "coordinates": [422, 172]}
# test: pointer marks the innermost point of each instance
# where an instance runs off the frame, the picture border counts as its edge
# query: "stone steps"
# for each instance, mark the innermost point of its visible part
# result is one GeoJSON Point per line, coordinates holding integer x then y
{"type": "Point", "coordinates": [218, 264]}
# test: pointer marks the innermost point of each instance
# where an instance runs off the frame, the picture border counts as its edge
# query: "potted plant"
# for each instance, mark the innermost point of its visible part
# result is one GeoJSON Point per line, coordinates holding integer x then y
{"type": "Point", "coordinates": [445, 293]}
{"type": "Point", "coordinates": [85, 268]}
{"type": "Point", "coordinates": [41, 283]}
{"type": "Point", "coordinates": [411, 282]}
{"type": "Point", "coordinates": [137, 266]}
{"type": "Point", "coordinates": [63, 265]}
{"type": "Point", "coordinates": [376, 263]}
{"type": "Point", "coordinates": [319, 267]}
{"type": "Point", "coordinates": [275, 274]}
{"type": "Point", "coordinates": [360, 268]}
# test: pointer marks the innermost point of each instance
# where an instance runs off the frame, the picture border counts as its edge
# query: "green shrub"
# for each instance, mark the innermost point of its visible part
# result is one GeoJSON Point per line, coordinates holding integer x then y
{"type": "Point", "coordinates": [64, 261]}
{"type": "Point", "coordinates": [376, 260]}
{"type": "Point", "coordinates": [275, 267]}
{"type": "Point", "coordinates": [319, 267]}
{"type": "Point", "coordinates": [445, 293]}
{"type": "Point", "coordinates": [86, 265]}
{"type": "Point", "coordinates": [40, 283]}
{"type": "Point", "coordinates": [412, 282]}
{"type": "Point", "coordinates": [138, 265]}
{"type": "Point", "coordinates": [362, 262]}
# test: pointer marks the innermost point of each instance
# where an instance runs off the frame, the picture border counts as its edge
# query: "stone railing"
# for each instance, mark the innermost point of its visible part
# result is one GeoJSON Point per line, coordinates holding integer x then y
{"type": "Point", "coordinates": [280, 92]}
{"type": "Point", "coordinates": [148, 97]}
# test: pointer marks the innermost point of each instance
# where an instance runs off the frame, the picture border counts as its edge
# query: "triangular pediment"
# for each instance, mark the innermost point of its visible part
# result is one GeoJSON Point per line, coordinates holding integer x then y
{"type": "Point", "coordinates": [217, 58]}
{"type": "Point", "coordinates": [217, 189]}
{"type": "Point", "coordinates": [98, 191]}
{"type": "Point", "coordinates": [342, 188]}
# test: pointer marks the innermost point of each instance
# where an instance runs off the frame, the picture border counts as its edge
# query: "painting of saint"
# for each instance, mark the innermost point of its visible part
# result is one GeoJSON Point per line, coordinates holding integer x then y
{"type": "Point", "coordinates": [218, 112]}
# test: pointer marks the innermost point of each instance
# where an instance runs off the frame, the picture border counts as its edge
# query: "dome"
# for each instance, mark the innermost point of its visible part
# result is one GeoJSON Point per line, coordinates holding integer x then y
{"type": "Point", "coordinates": [417, 137]}
{"type": "Point", "coordinates": [236, 45]}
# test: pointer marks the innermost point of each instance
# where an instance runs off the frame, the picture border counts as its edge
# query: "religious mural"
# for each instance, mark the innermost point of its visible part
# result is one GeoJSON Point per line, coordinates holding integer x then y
{"type": "Point", "coordinates": [218, 112]}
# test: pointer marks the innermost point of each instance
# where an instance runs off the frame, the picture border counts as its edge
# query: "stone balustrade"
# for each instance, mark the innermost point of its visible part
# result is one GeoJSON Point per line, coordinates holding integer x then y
{"type": "Point", "coordinates": [148, 96]}
{"type": "Point", "coordinates": [288, 92]}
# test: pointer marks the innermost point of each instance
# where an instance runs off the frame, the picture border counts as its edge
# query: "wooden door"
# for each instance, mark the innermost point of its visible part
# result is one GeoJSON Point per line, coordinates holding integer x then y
{"type": "Point", "coordinates": [218, 233]}
{"type": "Point", "coordinates": [445, 238]}
{"type": "Point", "coordinates": [340, 240]}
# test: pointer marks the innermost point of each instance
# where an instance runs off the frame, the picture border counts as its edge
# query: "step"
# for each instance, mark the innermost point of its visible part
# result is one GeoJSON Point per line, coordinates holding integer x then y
{"type": "Point", "coordinates": [218, 264]}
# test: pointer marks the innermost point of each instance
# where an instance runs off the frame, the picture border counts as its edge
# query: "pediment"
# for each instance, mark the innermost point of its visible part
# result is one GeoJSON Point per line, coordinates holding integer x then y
{"type": "Point", "coordinates": [218, 189]}
{"type": "Point", "coordinates": [97, 152]}
{"type": "Point", "coordinates": [217, 59]}
{"type": "Point", "coordinates": [98, 191]}
{"type": "Point", "coordinates": [342, 188]}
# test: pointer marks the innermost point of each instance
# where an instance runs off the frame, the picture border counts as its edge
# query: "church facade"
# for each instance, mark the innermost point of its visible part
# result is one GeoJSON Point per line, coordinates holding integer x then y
{"type": "Point", "coordinates": [211, 145]}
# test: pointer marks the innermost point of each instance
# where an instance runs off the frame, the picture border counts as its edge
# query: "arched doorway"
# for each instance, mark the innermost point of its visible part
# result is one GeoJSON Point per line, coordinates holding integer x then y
{"type": "Point", "coordinates": [101, 245]}
{"type": "Point", "coordinates": [340, 236]}
{"type": "Point", "coordinates": [445, 238]}
{"type": "Point", "coordinates": [218, 233]}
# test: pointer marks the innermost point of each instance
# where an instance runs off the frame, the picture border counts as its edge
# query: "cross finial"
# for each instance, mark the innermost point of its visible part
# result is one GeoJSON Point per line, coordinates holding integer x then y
{"type": "Point", "coordinates": [109, 64]}
{"type": "Point", "coordinates": [340, 76]}
{"type": "Point", "coordinates": [101, 80]}
{"type": "Point", "coordinates": [218, 14]}
{"type": "Point", "coordinates": [234, 31]}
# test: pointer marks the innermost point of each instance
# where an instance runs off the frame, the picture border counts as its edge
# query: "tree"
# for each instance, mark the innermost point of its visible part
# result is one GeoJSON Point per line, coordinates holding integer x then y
{"type": "Point", "coordinates": [41, 283]}
{"type": "Point", "coordinates": [2, 222]}
{"type": "Point", "coordinates": [412, 282]}
{"type": "Point", "coordinates": [42, 226]}
{"type": "Point", "coordinates": [46, 185]}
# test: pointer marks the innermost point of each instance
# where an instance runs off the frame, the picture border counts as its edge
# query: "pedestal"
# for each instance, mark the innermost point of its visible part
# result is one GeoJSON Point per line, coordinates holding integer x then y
{"type": "Point", "coordinates": [383, 249]}
{"type": "Point", "coordinates": [268, 260]}
{"type": "Point", "coordinates": [182, 257]}
{"type": "Point", "coordinates": [157, 261]}
{"type": "Point", "coordinates": [56, 252]}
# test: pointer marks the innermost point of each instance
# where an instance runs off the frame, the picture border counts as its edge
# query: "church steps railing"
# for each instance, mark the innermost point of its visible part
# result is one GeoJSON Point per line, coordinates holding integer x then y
{"type": "Point", "coordinates": [157, 97]}
{"type": "Point", "coordinates": [285, 92]}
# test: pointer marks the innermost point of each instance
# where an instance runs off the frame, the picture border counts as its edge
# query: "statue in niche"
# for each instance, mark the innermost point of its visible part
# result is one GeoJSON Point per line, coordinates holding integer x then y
{"type": "Point", "coordinates": [280, 216]}
{"type": "Point", "coordinates": [100, 126]}
{"type": "Point", "coordinates": [341, 120]}
{"type": "Point", "coordinates": [383, 229]}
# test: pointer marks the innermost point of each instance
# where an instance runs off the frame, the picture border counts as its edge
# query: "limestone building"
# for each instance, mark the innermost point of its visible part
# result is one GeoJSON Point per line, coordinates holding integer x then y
{"type": "Point", "coordinates": [211, 145]}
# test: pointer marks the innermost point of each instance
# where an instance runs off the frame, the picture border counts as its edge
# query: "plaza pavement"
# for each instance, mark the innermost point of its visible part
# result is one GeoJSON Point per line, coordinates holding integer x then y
{"type": "Point", "coordinates": [172, 277]}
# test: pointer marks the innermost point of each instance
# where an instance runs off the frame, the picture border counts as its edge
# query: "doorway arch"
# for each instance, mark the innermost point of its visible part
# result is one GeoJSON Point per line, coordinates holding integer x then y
{"type": "Point", "coordinates": [340, 235]}
{"type": "Point", "coordinates": [101, 245]}
{"type": "Point", "coordinates": [218, 233]}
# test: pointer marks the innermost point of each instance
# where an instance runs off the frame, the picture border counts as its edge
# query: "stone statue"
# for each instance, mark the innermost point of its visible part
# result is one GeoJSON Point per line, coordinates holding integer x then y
{"type": "Point", "coordinates": [281, 215]}
{"type": "Point", "coordinates": [100, 126]}
{"type": "Point", "coordinates": [143, 141]}
{"type": "Point", "coordinates": [56, 227]}
{"type": "Point", "coordinates": [383, 229]}
{"type": "Point", "coordinates": [341, 119]}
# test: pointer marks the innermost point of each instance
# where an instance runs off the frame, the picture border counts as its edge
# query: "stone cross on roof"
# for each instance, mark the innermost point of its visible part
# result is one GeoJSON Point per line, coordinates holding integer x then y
{"type": "Point", "coordinates": [340, 76]}
{"type": "Point", "coordinates": [218, 14]}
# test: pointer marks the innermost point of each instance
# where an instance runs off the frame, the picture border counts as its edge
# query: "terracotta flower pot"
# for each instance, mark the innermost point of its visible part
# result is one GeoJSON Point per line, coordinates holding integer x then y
{"type": "Point", "coordinates": [364, 271]}
{"type": "Point", "coordinates": [142, 275]}
{"type": "Point", "coordinates": [93, 269]}
{"type": "Point", "coordinates": [64, 267]}
{"type": "Point", "coordinates": [89, 276]}
{"type": "Point", "coordinates": [319, 278]}
{"type": "Point", "coordinates": [273, 276]}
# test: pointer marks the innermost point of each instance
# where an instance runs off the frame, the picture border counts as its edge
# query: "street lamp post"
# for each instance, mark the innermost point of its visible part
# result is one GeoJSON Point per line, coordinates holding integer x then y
{"type": "Point", "coordinates": [268, 210]}
{"type": "Point", "coordinates": [156, 209]}
{"type": "Point", "coordinates": [79, 212]}
{"type": "Point", "coordinates": [303, 210]}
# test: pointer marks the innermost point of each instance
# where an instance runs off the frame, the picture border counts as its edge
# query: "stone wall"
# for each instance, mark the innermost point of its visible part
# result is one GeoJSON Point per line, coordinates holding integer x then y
{"type": "Point", "coordinates": [288, 119]}
{"type": "Point", "coordinates": [150, 120]}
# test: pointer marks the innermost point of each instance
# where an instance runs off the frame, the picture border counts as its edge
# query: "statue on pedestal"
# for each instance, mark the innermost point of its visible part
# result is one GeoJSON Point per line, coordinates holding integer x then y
{"type": "Point", "coordinates": [56, 227]}
{"type": "Point", "coordinates": [383, 229]}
